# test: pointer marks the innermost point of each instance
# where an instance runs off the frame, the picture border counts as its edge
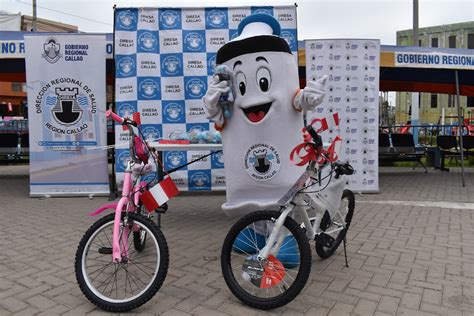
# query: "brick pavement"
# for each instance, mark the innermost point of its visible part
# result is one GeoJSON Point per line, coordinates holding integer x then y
{"type": "Point", "coordinates": [404, 259]}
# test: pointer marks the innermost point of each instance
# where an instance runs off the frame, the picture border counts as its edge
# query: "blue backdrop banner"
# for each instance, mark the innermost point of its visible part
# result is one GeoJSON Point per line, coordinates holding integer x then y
{"type": "Point", "coordinates": [164, 58]}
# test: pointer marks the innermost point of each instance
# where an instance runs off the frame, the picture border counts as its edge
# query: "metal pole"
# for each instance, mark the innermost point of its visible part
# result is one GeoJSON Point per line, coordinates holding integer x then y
{"type": "Point", "coordinates": [460, 127]}
{"type": "Point", "coordinates": [113, 185]}
{"type": "Point", "coordinates": [33, 27]}
{"type": "Point", "coordinates": [415, 23]}
{"type": "Point", "coordinates": [415, 103]}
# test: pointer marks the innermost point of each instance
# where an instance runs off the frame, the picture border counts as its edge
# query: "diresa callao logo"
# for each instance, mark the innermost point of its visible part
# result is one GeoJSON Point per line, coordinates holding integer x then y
{"type": "Point", "coordinates": [126, 66]}
{"type": "Point", "coordinates": [233, 34]}
{"type": "Point", "coordinates": [211, 64]}
{"type": "Point", "coordinates": [263, 10]}
{"type": "Point", "coordinates": [151, 133]}
{"type": "Point", "coordinates": [216, 18]}
{"type": "Point", "coordinates": [174, 112]}
{"type": "Point", "coordinates": [194, 41]}
{"type": "Point", "coordinates": [121, 160]}
{"type": "Point", "coordinates": [196, 88]}
{"type": "Point", "coordinates": [172, 65]}
{"type": "Point", "coordinates": [148, 42]}
{"type": "Point", "coordinates": [218, 160]}
{"type": "Point", "coordinates": [126, 110]}
{"type": "Point", "coordinates": [170, 19]}
{"type": "Point", "coordinates": [200, 180]}
{"type": "Point", "coordinates": [127, 20]}
{"type": "Point", "coordinates": [289, 38]}
{"type": "Point", "coordinates": [149, 88]}
{"type": "Point", "coordinates": [51, 50]}
{"type": "Point", "coordinates": [175, 158]}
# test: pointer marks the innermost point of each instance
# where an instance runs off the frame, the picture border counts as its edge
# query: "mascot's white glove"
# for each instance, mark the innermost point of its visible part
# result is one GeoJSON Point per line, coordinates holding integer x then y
{"type": "Point", "coordinates": [311, 96]}
{"type": "Point", "coordinates": [216, 88]}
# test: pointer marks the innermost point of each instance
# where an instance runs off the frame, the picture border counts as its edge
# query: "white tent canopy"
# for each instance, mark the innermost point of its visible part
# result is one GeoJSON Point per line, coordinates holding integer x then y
{"type": "Point", "coordinates": [10, 21]}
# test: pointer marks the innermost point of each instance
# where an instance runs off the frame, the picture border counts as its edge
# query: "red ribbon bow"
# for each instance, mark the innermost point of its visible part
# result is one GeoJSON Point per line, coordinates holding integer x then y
{"type": "Point", "coordinates": [311, 153]}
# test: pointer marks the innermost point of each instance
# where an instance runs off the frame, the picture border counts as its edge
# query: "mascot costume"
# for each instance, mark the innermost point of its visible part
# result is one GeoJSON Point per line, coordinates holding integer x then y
{"type": "Point", "coordinates": [263, 121]}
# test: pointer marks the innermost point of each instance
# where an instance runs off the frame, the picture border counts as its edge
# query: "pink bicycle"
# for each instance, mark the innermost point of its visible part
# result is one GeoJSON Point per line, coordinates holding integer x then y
{"type": "Point", "coordinates": [122, 259]}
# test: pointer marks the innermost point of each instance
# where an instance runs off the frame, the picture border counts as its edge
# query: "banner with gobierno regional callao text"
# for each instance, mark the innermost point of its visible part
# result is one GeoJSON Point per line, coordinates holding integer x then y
{"type": "Point", "coordinates": [66, 105]}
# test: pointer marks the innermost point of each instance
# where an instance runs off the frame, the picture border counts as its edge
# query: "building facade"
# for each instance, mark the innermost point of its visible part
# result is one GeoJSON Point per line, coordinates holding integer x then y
{"type": "Point", "coordinates": [459, 35]}
{"type": "Point", "coordinates": [14, 93]}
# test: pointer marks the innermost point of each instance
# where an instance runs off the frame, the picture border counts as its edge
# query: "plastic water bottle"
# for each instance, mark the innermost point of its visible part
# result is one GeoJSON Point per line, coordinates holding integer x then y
{"type": "Point", "coordinates": [225, 100]}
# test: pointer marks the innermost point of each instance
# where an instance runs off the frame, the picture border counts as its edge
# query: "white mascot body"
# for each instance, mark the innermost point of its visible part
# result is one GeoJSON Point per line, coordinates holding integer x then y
{"type": "Point", "coordinates": [266, 118]}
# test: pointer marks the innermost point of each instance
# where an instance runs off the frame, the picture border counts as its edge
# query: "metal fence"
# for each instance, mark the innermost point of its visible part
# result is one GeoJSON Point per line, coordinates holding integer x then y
{"type": "Point", "coordinates": [426, 133]}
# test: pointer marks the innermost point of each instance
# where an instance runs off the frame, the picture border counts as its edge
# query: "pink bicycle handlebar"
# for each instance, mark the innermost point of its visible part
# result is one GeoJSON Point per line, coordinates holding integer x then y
{"type": "Point", "coordinates": [109, 114]}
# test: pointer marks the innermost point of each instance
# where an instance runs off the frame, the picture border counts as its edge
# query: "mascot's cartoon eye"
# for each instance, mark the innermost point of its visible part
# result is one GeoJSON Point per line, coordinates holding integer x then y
{"type": "Point", "coordinates": [264, 79]}
{"type": "Point", "coordinates": [242, 82]}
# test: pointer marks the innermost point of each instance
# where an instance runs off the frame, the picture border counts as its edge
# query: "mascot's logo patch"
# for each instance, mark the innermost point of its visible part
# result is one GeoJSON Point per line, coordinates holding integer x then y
{"type": "Point", "coordinates": [262, 162]}
{"type": "Point", "coordinates": [51, 50]}
{"type": "Point", "coordinates": [67, 110]}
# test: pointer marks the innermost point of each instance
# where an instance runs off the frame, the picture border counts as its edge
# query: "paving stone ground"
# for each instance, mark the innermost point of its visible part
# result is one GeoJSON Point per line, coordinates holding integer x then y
{"type": "Point", "coordinates": [404, 259]}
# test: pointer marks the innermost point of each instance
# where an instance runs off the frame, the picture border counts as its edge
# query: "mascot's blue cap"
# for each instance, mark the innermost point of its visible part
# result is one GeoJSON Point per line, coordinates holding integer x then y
{"type": "Point", "coordinates": [256, 33]}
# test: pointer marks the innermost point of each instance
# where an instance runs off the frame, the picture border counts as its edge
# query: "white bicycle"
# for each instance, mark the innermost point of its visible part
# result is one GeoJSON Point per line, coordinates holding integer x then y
{"type": "Point", "coordinates": [266, 256]}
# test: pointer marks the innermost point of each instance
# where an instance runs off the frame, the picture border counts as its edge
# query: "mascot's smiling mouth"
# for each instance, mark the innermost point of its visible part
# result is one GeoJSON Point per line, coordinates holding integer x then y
{"type": "Point", "coordinates": [256, 113]}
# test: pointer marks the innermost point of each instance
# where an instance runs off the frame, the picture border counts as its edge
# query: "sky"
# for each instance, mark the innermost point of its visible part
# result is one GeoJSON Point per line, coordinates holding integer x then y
{"type": "Point", "coordinates": [317, 19]}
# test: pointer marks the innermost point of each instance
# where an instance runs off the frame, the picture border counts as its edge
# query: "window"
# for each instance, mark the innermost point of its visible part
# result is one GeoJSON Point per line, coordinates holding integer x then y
{"type": "Point", "coordinates": [450, 101]}
{"type": "Point", "coordinates": [470, 41]}
{"type": "Point", "coordinates": [419, 43]}
{"type": "Point", "coordinates": [470, 102]}
{"type": "Point", "coordinates": [452, 41]}
{"type": "Point", "coordinates": [16, 86]}
{"type": "Point", "coordinates": [434, 101]}
{"type": "Point", "coordinates": [434, 42]}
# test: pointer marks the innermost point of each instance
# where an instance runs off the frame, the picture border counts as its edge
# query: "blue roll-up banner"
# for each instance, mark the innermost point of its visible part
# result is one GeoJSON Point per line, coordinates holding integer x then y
{"type": "Point", "coordinates": [164, 60]}
{"type": "Point", "coordinates": [66, 97]}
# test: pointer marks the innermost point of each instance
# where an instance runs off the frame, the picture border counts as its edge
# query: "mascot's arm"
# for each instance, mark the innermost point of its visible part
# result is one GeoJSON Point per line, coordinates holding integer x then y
{"type": "Point", "coordinates": [214, 111]}
{"type": "Point", "coordinates": [311, 96]}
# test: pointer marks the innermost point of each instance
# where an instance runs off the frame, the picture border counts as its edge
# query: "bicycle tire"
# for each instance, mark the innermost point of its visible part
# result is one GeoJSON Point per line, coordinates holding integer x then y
{"type": "Point", "coordinates": [304, 255]}
{"type": "Point", "coordinates": [156, 238]}
{"type": "Point", "coordinates": [139, 240]}
{"type": "Point", "coordinates": [139, 237]}
{"type": "Point", "coordinates": [326, 252]}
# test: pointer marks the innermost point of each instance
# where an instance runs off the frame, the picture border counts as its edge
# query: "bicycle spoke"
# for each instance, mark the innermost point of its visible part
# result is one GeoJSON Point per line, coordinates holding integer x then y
{"type": "Point", "coordinates": [144, 265]}
{"type": "Point", "coordinates": [103, 268]}
{"type": "Point", "coordinates": [108, 280]}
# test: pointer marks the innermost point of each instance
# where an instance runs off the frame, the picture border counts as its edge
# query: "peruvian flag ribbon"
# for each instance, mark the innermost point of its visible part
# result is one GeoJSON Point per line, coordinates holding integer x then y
{"type": "Point", "coordinates": [159, 194]}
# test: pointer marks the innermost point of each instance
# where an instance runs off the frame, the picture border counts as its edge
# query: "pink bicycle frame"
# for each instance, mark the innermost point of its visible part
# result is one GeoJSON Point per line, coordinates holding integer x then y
{"type": "Point", "coordinates": [119, 251]}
